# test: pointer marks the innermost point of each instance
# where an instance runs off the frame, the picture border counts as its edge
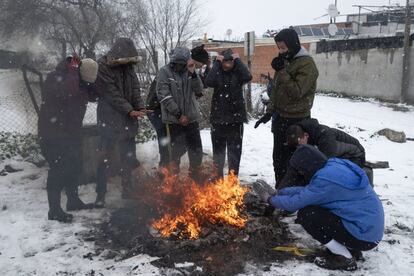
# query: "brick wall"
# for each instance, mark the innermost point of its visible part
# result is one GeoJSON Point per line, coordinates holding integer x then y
{"type": "Point", "coordinates": [263, 55]}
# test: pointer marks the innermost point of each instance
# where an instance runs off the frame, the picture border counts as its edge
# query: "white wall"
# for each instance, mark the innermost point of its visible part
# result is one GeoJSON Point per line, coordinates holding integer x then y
{"type": "Point", "coordinates": [373, 73]}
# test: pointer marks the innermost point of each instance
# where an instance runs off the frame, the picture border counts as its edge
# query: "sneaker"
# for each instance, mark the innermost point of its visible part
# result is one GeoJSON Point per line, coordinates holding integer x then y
{"type": "Point", "coordinates": [336, 262]}
{"type": "Point", "coordinates": [59, 215]}
{"type": "Point", "coordinates": [100, 201]}
{"type": "Point", "coordinates": [76, 203]}
{"type": "Point", "coordinates": [357, 255]}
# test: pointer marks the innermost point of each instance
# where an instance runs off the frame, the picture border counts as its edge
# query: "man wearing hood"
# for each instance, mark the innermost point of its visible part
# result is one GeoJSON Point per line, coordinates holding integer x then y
{"type": "Point", "coordinates": [119, 108]}
{"type": "Point", "coordinates": [228, 109]}
{"type": "Point", "coordinates": [177, 87]}
{"type": "Point", "coordinates": [292, 94]}
{"type": "Point", "coordinates": [337, 207]}
{"type": "Point", "coordinates": [65, 96]}
{"type": "Point", "coordinates": [201, 60]}
{"type": "Point", "coordinates": [330, 141]}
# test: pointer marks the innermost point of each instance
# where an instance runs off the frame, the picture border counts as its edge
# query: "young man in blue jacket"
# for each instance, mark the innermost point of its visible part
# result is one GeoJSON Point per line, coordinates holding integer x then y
{"type": "Point", "coordinates": [338, 207]}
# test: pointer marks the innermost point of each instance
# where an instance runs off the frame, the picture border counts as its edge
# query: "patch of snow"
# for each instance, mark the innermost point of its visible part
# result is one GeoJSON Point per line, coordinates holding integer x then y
{"type": "Point", "coordinates": [30, 244]}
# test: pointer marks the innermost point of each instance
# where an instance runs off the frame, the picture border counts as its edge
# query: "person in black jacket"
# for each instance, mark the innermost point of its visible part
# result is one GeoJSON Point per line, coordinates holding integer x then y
{"type": "Point", "coordinates": [330, 141]}
{"type": "Point", "coordinates": [65, 95]}
{"type": "Point", "coordinates": [228, 111]}
{"type": "Point", "coordinates": [119, 107]}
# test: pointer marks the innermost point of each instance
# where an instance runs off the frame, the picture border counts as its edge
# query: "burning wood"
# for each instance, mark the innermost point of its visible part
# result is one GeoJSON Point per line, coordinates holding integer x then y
{"type": "Point", "coordinates": [186, 206]}
{"type": "Point", "coordinates": [234, 227]}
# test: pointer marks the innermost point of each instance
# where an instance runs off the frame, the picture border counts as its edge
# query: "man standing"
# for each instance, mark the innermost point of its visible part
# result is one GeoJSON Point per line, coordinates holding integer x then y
{"type": "Point", "coordinates": [119, 108]}
{"type": "Point", "coordinates": [228, 109]}
{"type": "Point", "coordinates": [177, 87]}
{"type": "Point", "coordinates": [292, 94]}
{"type": "Point", "coordinates": [65, 96]}
{"type": "Point", "coordinates": [201, 60]}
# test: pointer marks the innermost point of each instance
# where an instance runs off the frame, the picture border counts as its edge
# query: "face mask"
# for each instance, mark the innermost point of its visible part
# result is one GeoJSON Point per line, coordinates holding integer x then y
{"type": "Point", "coordinates": [284, 55]}
{"type": "Point", "coordinates": [180, 68]}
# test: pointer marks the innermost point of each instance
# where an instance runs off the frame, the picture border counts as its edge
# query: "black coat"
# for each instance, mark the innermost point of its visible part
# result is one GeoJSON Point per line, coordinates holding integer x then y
{"type": "Point", "coordinates": [228, 105]}
{"type": "Point", "coordinates": [119, 91]}
{"type": "Point", "coordinates": [334, 142]}
{"type": "Point", "coordinates": [64, 102]}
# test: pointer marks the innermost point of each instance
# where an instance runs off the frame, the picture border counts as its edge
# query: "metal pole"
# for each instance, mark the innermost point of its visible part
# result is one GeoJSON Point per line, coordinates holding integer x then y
{"type": "Point", "coordinates": [406, 58]}
{"type": "Point", "coordinates": [336, 5]}
{"type": "Point", "coordinates": [359, 19]}
{"type": "Point", "coordinates": [249, 85]}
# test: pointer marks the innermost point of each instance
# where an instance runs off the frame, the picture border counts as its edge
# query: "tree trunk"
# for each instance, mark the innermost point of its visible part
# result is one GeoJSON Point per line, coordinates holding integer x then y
{"type": "Point", "coordinates": [63, 49]}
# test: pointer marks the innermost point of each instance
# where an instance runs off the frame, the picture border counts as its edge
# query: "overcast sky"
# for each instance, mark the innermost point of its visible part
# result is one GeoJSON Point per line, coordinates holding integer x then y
{"type": "Point", "coordinates": [259, 15]}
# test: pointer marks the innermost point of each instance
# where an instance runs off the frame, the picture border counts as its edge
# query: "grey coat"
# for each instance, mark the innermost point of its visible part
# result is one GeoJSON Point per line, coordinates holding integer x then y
{"type": "Point", "coordinates": [177, 92]}
{"type": "Point", "coordinates": [119, 90]}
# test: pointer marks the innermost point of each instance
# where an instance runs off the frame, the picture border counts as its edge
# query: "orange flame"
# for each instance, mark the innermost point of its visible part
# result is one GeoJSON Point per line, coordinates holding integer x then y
{"type": "Point", "coordinates": [186, 206]}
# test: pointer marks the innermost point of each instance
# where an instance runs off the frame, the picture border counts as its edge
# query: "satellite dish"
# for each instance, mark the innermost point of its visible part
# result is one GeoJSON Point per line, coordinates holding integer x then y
{"type": "Point", "coordinates": [333, 11]}
{"type": "Point", "coordinates": [332, 29]}
{"type": "Point", "coordinates": [229, 32]}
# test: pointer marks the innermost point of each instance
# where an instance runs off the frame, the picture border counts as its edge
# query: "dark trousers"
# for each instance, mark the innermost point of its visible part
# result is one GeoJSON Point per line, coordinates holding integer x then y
{"type": "Point", "coordinates": [281, 152]}
{"type": "Point", "coordinates": [163, 143]}
{"type": "Point", "coordinates": [324, 226]}
{"type": "Point", "coordinates": [65, 162]}
{"type": "Point", "coordinates": [186, 138]}
{"type": "Point", "coordinates": [127, 158]}
{"type": "Point", "coordinates": [230, 137]}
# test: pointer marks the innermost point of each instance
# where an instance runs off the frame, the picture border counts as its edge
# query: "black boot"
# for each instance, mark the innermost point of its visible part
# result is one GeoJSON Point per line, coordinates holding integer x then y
{"type": "Point", "coordinates": [100, 201]}
{"type": "Point", "coordinates": [55, 211]}
{"type": "Point", "coordinates": [76, 203]}
{"type": "Point", "coordinates": [336, 262]}
{"type": "Point", "coordinates": [59, 215]}
{"type": "Point", "coordinates": [357, 255]}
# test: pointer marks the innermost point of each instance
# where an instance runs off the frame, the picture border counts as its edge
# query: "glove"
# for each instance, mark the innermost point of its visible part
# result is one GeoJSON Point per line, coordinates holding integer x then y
{"type": "Point", "coordinates": [264, 191]}
{"type": "Point", "coordinates": [269, 189]}
{"type": "Point", "coordinates": [266, 118]}
{"type": "Point", "coordinates": [278, 63]}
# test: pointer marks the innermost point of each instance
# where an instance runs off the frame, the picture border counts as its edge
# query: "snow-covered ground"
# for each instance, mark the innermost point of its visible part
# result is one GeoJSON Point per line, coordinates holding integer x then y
{"type": "Point", "coordinates": [32, 245]}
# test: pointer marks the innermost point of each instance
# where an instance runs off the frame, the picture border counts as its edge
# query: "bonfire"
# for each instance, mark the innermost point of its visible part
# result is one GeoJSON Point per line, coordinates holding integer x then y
{"type": "Point", "coordinates": [186, 206]}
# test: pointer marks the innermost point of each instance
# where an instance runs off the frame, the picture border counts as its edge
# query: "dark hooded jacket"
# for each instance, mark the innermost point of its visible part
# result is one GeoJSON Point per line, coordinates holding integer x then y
{"type": "Point", "coordinates": [334, 142]}
{"type": "Point", "coordinates": [177, 91]}
{"type": "Point", "coordinates": [228, 105]}
{"type": "Point", "coordinates": [64, 101]}
{"type": "Point", "coordinates": [119, 90]}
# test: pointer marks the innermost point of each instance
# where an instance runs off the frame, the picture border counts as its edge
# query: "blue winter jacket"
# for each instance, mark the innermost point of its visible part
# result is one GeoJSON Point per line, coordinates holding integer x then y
{"type": "Point", "coordinates": [343, 188]}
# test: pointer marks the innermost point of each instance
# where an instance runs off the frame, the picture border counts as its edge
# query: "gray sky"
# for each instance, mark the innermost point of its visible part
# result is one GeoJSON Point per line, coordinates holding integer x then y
{"type": "Point", "coordinates": [260, 15]}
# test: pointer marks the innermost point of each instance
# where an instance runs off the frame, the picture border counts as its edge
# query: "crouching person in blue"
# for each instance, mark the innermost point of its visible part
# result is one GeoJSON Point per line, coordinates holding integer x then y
{"type": "Point", "coordinates": [338, 207]}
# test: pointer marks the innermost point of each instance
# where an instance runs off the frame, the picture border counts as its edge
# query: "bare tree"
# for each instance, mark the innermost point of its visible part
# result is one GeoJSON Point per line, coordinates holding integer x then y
{"type": "Point", "coordinates": [78, 24]}
{"type": "Point", "coordinates": [162, 24]}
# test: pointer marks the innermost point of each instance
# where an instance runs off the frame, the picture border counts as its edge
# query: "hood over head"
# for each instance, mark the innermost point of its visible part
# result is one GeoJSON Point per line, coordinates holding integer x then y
{"type": "Point", "coordinates": [123, 52]}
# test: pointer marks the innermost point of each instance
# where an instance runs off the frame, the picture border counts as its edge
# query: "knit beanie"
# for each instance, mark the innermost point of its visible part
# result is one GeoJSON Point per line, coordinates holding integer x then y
{"type": "Point", "coordinates": [88, 70]}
